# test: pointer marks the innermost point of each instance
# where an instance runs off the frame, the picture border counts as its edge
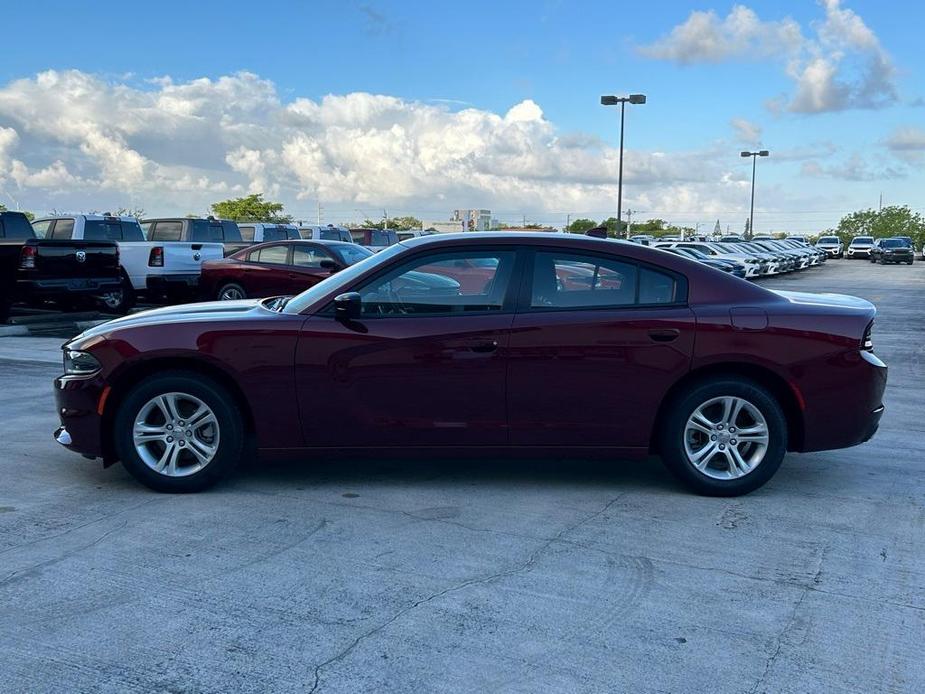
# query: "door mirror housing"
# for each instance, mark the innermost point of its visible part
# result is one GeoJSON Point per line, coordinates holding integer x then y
{"type": "Point", "coordinates": [348, 306]}
{"type": "Point", "coordinates": [328, 264]}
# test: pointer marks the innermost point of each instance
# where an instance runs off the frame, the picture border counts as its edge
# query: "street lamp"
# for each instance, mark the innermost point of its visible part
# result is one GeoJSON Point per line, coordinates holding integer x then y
{"type": "Point", "coordinates": [613, 101]}
{"type": "Point", "coordinates": [751, 214]}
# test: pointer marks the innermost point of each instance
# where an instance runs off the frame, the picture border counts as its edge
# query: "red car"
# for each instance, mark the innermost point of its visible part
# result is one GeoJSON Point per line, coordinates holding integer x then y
{"type": "Point", "coordinates": [276, 268]}
{"type": "Point", "coordinates": [634, 351]}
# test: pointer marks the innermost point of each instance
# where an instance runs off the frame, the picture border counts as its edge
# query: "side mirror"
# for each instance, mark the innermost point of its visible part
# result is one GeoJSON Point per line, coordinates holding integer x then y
{"type": "Point", "coordinates": [328, 264]}
{"type": "Point", "coordinates": [348, 306]}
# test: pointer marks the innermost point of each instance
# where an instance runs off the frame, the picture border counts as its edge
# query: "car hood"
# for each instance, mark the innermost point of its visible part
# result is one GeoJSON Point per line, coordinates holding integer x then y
{"type": "Point", "coordinates": [201, 312]}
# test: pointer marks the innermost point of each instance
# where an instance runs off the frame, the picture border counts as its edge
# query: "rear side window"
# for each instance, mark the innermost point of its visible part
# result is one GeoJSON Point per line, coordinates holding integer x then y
{"type": "Point", "coordinates": [167, 231]}
{"type": "Point", "coordinates": [247, 233]}
{"type": "Point", "coordinates": [131, 231]}
{"type": "Point", "coordinates": [205, 231]}
{"type": "Point", "coordinates": [231, 231]}
{"type": "Point", "coordinates": [275, 233]}
{"type": "Point", "coordinates": [62, 229]}
{"type": "Point", "coordinates": [577, 281]}
{"type": "Point", "coordinates": [276, 255]}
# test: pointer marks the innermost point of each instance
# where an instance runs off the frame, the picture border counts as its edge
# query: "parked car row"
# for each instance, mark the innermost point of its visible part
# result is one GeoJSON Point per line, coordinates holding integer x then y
{"type": "Point", "coordinates": [115, 261]}
{"type": "Point", "coordinates": [757, 257]}
{"type": "Point", "coordinates": [897, 249]}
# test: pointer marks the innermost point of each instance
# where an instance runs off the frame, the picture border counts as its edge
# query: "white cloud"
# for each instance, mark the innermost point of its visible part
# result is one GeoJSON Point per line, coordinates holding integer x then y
{"type": "Point", "coordinates": [854, 168]}
{"type": "Point", "coordinates": [840, 65]}
{"type": "Point", "coordinates": [746, 131]}
{"type": "Point", "coordinates": [907, 143]}
{"type": "Point", "coordinates": [176, 147]}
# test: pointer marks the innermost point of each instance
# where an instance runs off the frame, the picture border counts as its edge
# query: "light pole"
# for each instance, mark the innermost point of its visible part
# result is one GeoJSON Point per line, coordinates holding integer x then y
{"type": "Point", "coordinates": [751, 214]}
{"type": "Point", "coordinates": [613, 101]}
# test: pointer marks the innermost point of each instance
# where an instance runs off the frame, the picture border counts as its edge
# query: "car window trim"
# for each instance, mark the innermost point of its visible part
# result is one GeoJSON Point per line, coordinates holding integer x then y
{"type": "Point", "coordinates": [525, 296]}
{"type": "Point", "coordinates": [508, 306]}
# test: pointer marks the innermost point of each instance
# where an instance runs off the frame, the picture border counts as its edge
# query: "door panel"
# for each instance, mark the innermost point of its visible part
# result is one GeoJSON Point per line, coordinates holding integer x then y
{"type": "Point", "coordinates": [404, 381]}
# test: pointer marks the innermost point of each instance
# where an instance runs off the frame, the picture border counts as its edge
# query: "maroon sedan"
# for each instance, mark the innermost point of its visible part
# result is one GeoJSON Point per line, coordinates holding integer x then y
{"type": "Point", "coordinates": [637, 351]}
{"type": "Point", "coordinates": [276, 268]}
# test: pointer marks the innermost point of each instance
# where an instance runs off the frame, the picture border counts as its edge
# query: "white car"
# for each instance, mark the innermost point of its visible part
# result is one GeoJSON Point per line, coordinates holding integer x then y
{"type": "Point", "coordinates": [720, 251]}
{"type": "Point", "coordinates": [860, 247]}
{"type": "Point", "coordinates": [832, 245]}
{"type": "Point", "coordinates": [141, 260]}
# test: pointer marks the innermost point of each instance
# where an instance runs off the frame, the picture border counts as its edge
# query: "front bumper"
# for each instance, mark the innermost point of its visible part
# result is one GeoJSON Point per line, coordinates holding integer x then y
{"type": "Point", "coordinates": [858, 252]}
{"type": "Point", "coordinates": [79, 400]}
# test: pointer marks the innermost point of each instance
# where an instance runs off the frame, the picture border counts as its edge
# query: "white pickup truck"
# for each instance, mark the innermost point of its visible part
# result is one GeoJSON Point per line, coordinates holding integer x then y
{"type": "Point", "coordinates": [140, 260]}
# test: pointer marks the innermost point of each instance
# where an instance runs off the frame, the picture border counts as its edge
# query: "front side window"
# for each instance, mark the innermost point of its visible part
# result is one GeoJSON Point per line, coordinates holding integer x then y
{"type": "Point", "coordinates": [97, 230]}
{"type": "Point", "coordinates": [274, 234]}
{"type": "Point", "coordinates": [352, 253]}
{"type": "Point", "coordinates": [276, 255]}
{"type": "Point", "coordinates": [247, 233]}
{"type": "Point", "coordinates": [308, 256]}
{"type": "Point", "coordinates": [40, 228]}
{"type": "Point", "coordinates": [205, 231]}
{"type": "Point", "coordinates": [166, 231]}
{"type": "Point", "coordinates": [439, 284]}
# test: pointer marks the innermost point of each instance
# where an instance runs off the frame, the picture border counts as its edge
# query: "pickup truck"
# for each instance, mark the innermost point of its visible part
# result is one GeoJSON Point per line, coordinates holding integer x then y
{"type": "Point", "coordinates": [33, 270]}
{"type": "Point", "coordinates": [171, 233]}
{"type": "Point", "coordinates": [258, 232]}
{"type": "Point", "coordinates": [139, 259]}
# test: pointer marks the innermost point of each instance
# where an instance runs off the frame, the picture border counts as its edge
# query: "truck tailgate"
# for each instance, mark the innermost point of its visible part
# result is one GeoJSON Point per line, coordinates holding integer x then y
{"type": "Point", "coordinates": [69, 258]}
{"type": "Point", "coordinates": [184, 258]}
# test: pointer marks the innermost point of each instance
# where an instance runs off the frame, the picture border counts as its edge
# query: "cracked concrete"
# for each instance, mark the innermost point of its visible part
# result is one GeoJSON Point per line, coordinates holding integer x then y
{"type": "Point", "coordinates": [471, 575]}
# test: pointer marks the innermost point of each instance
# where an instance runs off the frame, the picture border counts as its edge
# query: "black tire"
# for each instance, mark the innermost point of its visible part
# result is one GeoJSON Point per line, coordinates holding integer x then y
{"type": "Point", "coordinates": [671, 440]}
{"type": "Point", "coordinates": [216, 397]}
{"type": "Point", "coordinates": [230, 287]}
{"type": "Point", "coordinates": [5, 305]}
{"type": "Point", "coordinates": [122, 303]}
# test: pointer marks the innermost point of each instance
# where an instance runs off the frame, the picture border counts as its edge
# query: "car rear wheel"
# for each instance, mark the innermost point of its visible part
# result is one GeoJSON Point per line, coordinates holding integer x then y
{"type": "Point", "coordinates": [178, 432]}
{"type": "Point", "coordinates": [119, 300]}
{"type": "Point", "coordinates": [231, 292]}
{"type": "Point", "coordinates": [724, 438]}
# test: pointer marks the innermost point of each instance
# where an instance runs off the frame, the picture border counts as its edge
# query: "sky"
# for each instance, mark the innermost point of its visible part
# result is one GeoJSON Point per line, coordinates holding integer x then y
{"type": "Point", "coordinates": [354, 108]}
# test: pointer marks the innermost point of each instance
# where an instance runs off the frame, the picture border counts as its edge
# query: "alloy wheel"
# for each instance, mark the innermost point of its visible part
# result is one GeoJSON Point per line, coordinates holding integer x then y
{"type": "Point", "coordinates": [176, 434]}
{"type": "Point", "coordinates": [231, 293]}
{"type": "Point", "coordinates": [726, 437]}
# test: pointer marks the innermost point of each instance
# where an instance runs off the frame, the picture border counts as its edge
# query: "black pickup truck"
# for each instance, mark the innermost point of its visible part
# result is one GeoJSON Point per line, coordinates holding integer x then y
{"type": "Point", "coordinates": [34, 270]}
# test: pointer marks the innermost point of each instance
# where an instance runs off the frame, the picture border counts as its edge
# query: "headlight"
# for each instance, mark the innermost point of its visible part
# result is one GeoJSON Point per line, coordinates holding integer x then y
{"type": "Point", "coordinates": [79, 363]}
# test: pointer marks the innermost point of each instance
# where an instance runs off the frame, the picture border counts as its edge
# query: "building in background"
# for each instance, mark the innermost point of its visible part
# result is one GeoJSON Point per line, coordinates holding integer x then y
{"type": "Point", "coordinates": [443, 226]}
{"type": "Point", "coordinates": [475, 220]}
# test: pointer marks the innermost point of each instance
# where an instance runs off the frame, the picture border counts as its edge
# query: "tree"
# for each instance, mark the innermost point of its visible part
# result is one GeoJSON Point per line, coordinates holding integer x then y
{"type": "Point", "coordinates": [614, 228]}
{"type": "Point", "coordinates": [252, 208]}
{"type": "Point", "coordinates": [136, 212]}
{"type": "Point", "coordinates": [580, 226]}
{"type": "Point", "coordinates": [404, 223]}
{"type": "Point", "coordinates": [895, 220]}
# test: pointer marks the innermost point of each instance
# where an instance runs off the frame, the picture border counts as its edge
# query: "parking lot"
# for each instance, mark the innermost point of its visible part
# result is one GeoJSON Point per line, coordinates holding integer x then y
{"type": "Point", "coordinates": [472, 575]}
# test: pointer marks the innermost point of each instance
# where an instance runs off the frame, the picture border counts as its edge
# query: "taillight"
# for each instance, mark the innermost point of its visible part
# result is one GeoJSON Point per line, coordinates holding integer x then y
{"type": "Point", "coordinates": [867, 343]}
{"type": "Point", "coordinates": [156, 258]}
{"type": "Point", "coordinates": [27, 257]}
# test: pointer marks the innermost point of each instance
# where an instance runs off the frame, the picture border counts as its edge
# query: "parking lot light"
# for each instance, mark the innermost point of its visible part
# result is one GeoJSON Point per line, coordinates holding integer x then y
{"type": "Point", "coordinates": [611, 100]}
{"type": "Point", "coordinates": [751, 214]}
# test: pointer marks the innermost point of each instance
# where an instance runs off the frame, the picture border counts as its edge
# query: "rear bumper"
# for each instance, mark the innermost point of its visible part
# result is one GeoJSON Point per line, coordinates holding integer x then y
{"type": "Point", "coordinates": [71, 286]}
{"type": "Point", "coordinates": [78, 400]}
{"type": "Point", "coordinates": [844, 403]}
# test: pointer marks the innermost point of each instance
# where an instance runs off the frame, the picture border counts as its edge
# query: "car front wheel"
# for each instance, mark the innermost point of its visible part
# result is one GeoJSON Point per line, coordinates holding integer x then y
{"type": "Point", "coordinates": [178, 432]}
{"type": "Point", "coordinates": [724, 438]}
{"type": "Point", "coordinates": [231, 292]}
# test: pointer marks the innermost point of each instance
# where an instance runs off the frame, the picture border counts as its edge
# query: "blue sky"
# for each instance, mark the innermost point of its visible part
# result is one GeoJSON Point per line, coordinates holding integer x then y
{"type": "Point", "coordinates": [489, 57]}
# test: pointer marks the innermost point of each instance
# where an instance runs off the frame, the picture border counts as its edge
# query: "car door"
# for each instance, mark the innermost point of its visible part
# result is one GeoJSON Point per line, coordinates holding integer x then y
{"type": "Point", "coordinates": [268, 270]}
{"type": "Point", "coordinates": [306, 270]}
{"type": "Point", "coordinates": [596, 343]}
{"type": "Point", "coordinates": [424, 365]}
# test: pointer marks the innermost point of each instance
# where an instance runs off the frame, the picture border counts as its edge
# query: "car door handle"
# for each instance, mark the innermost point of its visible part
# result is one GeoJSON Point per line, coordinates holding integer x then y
{"type": "Point", "coordinates": [483, 346]}
{"type": "Point", "coordinates": [664, 335]}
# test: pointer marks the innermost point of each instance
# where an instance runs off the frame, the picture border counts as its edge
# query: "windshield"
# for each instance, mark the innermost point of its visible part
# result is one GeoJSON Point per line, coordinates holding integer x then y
{"type": "Point", "coordinates": [351, 253]}
{"type": "Point", "coordinates": [893, 243]}
{"type": "Point", "coordinates": [828, 239]}
{"type": "Point", "coordinates": [862, 240]}
{"type": "Point", "coordinates": [342, 279]}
